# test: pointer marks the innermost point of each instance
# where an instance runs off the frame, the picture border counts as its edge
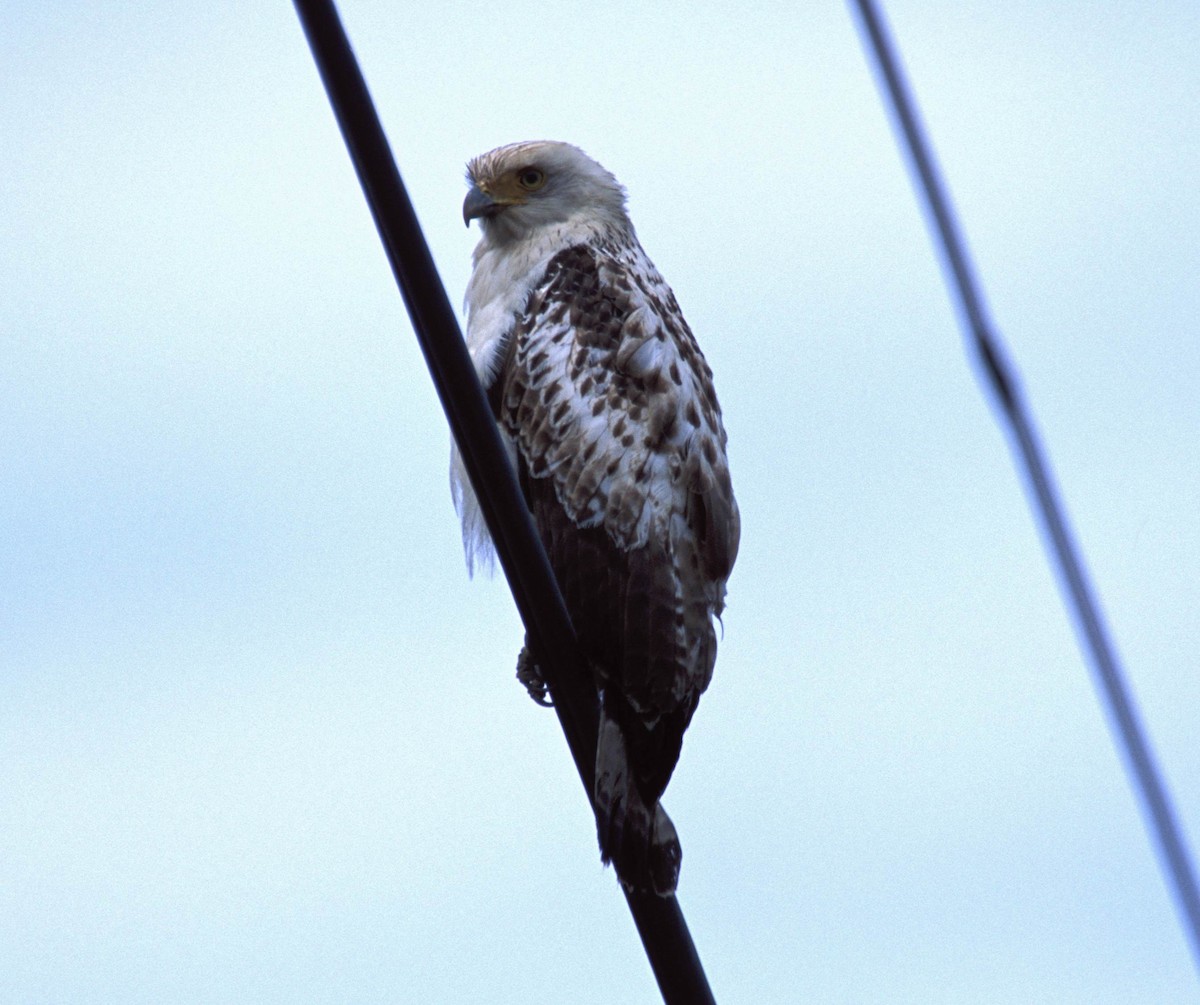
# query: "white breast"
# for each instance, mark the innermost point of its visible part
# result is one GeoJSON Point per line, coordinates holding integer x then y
{"type": "Point", "coordinates": [504, 274]}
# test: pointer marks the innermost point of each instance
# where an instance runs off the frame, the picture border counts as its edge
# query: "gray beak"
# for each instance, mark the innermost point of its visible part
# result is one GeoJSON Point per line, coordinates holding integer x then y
{"type": "Point", "coordinates": [478, 203]}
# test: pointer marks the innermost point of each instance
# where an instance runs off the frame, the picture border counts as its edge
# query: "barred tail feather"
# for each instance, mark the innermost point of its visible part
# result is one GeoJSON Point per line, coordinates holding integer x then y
{"type": "Point", "coordinates": [639, 840]}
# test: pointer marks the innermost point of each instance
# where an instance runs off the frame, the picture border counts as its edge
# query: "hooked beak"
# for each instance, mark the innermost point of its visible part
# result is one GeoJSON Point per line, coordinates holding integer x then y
{"type": "Point", "coordinates": [479, 203]}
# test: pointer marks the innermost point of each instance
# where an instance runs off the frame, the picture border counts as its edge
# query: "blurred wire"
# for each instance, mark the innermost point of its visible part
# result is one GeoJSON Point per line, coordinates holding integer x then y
{"type": "Point", "coordinates": [659, 920]}
{"type": "Point", "coordinates": [1088, 619]}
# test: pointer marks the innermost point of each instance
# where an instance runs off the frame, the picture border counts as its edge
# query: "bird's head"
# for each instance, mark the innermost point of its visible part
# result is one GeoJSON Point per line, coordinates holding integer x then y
{"type": "Point", "coordinates": [523, 187]}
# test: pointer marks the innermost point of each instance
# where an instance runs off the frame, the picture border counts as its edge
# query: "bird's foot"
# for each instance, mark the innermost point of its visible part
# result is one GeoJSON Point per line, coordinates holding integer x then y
{"type": "Point", "coordinates": [530, 674]}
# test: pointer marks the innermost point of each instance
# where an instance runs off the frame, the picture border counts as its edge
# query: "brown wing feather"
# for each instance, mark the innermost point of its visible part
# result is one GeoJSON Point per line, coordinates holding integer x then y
{"type": "Point", "coordinates": [619, 437]}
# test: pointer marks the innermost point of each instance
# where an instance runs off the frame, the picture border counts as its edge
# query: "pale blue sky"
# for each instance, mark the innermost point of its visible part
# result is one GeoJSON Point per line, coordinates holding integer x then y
{"type": "Point", "coordinates": [260, 734]}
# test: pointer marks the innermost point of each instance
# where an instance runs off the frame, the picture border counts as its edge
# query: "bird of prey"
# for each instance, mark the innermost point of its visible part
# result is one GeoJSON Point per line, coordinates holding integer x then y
{"type": "Point", "coordinates": [608, 409]}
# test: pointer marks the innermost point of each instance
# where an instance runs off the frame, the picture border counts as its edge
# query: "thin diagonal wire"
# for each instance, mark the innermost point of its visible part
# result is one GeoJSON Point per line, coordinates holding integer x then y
{"type": "Point", "coordinates": [1079, 595]}
{"type": "Point", "coordinates": [659, 920]}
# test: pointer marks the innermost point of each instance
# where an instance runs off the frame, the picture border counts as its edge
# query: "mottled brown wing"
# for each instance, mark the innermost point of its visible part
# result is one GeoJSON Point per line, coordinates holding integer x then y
{"type": "Point", "coordinates": [621, 452]}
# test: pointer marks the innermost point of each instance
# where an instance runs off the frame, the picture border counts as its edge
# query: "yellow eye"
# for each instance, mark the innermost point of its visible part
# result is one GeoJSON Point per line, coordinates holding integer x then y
{"type": "Point", "coordinates": [531, 178]}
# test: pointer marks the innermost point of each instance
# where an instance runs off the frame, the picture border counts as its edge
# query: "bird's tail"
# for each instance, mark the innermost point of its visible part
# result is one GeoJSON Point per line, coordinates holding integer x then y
{"type": "Point", "coordinates": [639, 840]}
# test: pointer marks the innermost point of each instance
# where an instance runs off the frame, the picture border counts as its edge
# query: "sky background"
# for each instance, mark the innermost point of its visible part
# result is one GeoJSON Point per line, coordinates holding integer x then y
{"type": "Point", "coordinates": [259, 734]}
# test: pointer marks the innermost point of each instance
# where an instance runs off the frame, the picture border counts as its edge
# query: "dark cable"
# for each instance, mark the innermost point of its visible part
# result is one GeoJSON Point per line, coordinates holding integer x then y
{"type": "Point", "coordinates": [659, 920]}
{"type": "Point", "coordinates": [1064, 552]}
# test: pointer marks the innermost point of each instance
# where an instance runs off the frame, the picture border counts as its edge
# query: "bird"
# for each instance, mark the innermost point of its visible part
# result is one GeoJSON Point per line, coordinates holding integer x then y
{"type": "Point", "coordinates": [607, 409]}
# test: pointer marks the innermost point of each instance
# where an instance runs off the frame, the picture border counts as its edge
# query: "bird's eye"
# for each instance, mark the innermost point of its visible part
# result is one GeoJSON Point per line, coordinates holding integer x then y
{"type": "Point", "coordinates": [531, 178]}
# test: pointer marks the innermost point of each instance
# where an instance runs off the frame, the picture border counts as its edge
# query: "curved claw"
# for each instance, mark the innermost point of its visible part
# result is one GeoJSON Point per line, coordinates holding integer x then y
{"type": "Point", "coordinates": [530, 674]}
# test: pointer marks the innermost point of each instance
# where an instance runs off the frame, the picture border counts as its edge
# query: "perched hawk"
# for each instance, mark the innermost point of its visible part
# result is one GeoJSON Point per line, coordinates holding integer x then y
{"type": "Point", "coordinates": [607, 406]}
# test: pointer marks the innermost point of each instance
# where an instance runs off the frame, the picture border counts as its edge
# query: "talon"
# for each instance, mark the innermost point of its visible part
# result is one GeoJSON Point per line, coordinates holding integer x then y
{"type": "Point", "coordinates": [530, 674]}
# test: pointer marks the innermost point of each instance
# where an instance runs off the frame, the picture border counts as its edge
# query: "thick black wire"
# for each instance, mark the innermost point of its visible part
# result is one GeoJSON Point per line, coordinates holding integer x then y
{"type": "Point", "coordinates": [659, 920]}
{"type": "Point", "coordinates": [1088, 619]}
